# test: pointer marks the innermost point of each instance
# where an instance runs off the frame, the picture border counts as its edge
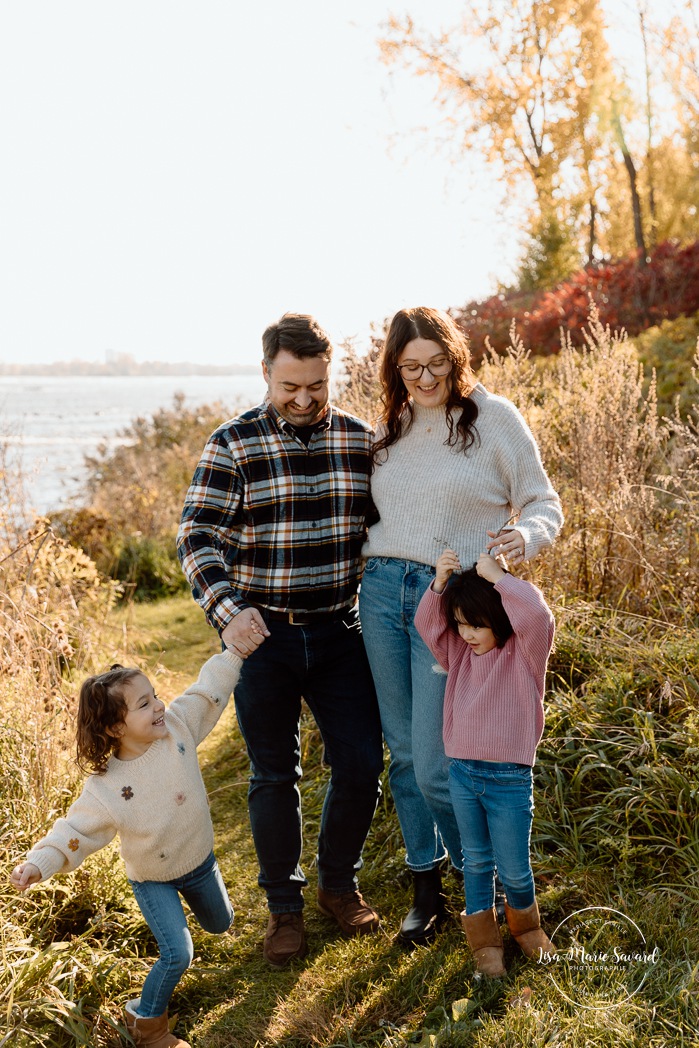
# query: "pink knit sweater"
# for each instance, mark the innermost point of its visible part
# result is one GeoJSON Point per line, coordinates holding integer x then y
{"type": "Point", "coordinates": [493, 705]}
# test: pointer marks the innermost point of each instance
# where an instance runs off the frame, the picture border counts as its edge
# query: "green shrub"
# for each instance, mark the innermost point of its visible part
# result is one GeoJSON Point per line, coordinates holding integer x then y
{"type": "Point", "coordinates": [148, 568]}
{"type": "Point", "coordinates": [133, 499]}
{"type": "Point", "coordinates": [669, 349]}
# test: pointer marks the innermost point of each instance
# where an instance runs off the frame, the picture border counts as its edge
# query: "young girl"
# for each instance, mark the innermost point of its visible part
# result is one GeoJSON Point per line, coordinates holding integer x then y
{"type": "Point", "coordinates": [493, 634]}
{"type": "Point", "coordinates": [147, 787]}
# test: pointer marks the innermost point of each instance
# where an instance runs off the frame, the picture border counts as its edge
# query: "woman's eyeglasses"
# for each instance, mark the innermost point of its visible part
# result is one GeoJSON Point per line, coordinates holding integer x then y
{"type": "Point", "coordinates": [437, 368]}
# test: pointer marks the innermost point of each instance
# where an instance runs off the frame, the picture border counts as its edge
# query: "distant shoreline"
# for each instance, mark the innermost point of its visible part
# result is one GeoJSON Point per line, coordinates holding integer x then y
{"type": "Point", "coordinates": [121, 368]}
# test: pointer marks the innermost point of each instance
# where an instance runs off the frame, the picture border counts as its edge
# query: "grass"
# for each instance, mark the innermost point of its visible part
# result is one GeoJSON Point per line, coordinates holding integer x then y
{"type": "Point", "coordinates": [617, 778]}
{"type": "Point", "coordinates": [616, 826]}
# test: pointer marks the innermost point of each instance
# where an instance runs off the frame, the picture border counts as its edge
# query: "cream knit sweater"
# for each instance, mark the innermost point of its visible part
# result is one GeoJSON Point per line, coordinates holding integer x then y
{"type": "Point", "coordinates": [157, 803]}
{"type": "Point", "coordinates": [430, 496]}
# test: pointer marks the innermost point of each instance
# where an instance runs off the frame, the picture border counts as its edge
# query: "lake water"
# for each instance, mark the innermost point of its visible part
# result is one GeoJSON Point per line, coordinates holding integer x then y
{"type": "Point", "coordinates": [49, 423]}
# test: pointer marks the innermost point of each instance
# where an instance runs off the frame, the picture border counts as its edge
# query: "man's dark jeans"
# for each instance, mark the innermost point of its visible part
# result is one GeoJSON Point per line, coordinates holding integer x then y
{"type": "Point", "coordinates": [325, 663]}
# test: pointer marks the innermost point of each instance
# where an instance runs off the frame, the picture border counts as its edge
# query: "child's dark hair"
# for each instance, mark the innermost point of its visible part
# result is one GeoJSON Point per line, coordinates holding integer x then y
{"type": "Point", "coordinates": [474, 600]}
{"type": "Point", "coordinates": [101, 707]}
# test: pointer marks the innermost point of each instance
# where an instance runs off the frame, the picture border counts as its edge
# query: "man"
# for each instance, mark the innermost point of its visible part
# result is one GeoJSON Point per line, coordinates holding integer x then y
{"type": "Point", "coordinates": [270, 540]}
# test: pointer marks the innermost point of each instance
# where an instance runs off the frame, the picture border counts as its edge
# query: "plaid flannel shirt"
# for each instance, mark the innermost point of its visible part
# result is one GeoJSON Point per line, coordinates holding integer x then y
{"type": "Point", "coordinates": [270, 521]}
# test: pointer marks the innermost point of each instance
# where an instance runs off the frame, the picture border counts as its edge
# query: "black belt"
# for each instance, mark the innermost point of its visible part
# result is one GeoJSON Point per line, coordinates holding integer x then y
{"type": "Point", "coordinates": [304, 618]}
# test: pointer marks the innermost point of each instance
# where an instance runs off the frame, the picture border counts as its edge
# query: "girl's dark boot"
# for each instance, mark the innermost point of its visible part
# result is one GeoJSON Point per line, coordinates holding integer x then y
{"type": "Point", "coordinates": [427, 912]}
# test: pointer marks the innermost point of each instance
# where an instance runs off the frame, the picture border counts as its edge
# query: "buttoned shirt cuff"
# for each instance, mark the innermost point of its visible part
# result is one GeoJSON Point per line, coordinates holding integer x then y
{"type": "Point", "coordinates": [226, 610]}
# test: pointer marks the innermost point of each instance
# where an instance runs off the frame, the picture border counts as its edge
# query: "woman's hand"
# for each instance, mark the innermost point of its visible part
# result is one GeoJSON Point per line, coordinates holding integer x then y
{"type": "Point", "coordinates": [24, 875]}
{"type": "Point", "coordinates": [447, 564]}
{"type": "Point", "coordinates": [508, 543]}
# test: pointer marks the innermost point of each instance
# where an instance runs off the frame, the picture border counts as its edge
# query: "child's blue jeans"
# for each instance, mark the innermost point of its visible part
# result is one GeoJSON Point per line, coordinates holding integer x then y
{"type": "Point", "coordinates": [494, 804]}
{"type": "Point", "coordinates": [160, 903]}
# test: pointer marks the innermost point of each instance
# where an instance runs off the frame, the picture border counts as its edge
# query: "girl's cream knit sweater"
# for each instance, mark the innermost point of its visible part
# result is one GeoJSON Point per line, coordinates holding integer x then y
{"type": "Point", "coordinates": [157, 803]}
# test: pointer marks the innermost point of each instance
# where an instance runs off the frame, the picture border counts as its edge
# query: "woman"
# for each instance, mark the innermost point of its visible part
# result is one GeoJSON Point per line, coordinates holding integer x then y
{"type": "Point", "coordinates": [454, 466]}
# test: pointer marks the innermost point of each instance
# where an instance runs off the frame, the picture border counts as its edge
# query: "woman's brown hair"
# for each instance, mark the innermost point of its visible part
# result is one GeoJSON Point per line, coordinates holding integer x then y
{"type": "Point", "coordinates": [397, 415]}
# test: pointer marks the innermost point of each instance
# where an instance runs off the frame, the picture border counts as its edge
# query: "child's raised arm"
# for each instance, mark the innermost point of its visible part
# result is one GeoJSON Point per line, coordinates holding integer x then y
{"type": "Point", "coordinates": [217, 679]}
{"type": "Point", "coordinates": [488, 568]}
{"type": "Point", "coordinates": [447, 564]}
{"type": "Point", "coordinates": [25, 875]}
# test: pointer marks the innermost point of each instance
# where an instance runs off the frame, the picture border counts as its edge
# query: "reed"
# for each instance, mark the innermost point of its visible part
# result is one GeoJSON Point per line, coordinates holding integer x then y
{"type": "Point", "coordinates": [616, 783]}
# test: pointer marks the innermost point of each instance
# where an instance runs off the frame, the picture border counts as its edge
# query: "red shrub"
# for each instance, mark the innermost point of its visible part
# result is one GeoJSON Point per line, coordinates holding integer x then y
{"type": "Point", "coordinates": [627, 294]}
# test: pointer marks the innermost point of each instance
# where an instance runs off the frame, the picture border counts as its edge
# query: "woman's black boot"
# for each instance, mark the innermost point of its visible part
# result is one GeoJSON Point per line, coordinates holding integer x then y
{"type": "Point", "coordinates": [421, 924]}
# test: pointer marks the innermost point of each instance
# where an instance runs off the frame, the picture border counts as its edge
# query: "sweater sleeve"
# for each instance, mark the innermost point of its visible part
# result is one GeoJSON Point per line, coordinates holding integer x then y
{"type": "Point", "coordinates": [431, 624]}
{"type": "Point", "coordinates": [532, 496]}
{"type": "Point", "coordinates": [86, 828]}
{"type": "Point", "coordinates": [531, 618]}
{"type": "Point", "coordinates": [204, 701]}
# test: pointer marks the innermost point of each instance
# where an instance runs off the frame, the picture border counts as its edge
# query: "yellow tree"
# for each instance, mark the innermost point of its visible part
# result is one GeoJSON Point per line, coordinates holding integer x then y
{"type": "Point", "coordinates": [652, 193]}
{"type": "Point", "coordinates": [681, 44]}
{"type": "Point", "coordinates": [520, 82]}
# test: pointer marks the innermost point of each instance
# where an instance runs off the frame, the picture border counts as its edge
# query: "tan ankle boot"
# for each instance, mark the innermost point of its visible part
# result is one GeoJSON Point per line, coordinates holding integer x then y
{"type": "Point", "coordinates": [525, 927]}
{"type": "Point", "coordinates": [485, 941]}
{"type": "Point", "coordinates": [150, 1033]}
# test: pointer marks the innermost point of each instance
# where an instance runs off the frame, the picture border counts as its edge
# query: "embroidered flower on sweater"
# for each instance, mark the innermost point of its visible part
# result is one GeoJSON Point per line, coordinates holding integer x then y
{"type": "Point", "coordinates": [180, 747]}
{"type": "Point", "coordinates": [127, 793]}
{"type": "Point", "coordinates": [180, 798]}
{"type": "Point", "coordinates": [74, 844]}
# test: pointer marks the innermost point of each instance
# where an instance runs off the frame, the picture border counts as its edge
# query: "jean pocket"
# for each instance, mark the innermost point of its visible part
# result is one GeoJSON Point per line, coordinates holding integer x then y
{"type": "Point", "coordinates": [520, 774]}
{"type": "Point", "coordinates": [371, 565]}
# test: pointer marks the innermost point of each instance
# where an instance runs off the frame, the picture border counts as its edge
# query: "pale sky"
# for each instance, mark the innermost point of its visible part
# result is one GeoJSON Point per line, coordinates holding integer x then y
{"type": "Point", "coordinates": [176, 175]}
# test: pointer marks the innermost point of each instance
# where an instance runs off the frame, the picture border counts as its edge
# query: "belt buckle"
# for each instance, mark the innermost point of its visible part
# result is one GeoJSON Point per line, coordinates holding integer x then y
{"type": "Point", "coordinates": [293, 622]}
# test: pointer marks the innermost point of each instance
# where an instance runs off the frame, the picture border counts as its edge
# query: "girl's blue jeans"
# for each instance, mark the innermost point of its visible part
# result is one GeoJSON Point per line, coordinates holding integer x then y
{"type": "Point", "coordinates": [494, 805]}
{"type": "Point", "coordinates": [411, 699]}
{"type": "Point", "coordinates": [160, 903]}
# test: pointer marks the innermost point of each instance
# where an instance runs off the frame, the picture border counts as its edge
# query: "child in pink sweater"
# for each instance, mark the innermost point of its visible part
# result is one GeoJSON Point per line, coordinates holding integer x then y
{"type": "Point", "coordinates": [493, 634]}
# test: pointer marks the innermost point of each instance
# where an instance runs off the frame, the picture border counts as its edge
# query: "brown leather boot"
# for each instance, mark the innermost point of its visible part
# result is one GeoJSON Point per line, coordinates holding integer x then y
{"type": "Point", "coordinates": [525, 927]}
{"type": "Point", "coordinates": [484, 938]}
{"type": "Point", "coordinates": [285, 938]}
{"type": "Point", "coordinates": [151, 1033]}
{"type": "Point", "coordinates": [354, 915]}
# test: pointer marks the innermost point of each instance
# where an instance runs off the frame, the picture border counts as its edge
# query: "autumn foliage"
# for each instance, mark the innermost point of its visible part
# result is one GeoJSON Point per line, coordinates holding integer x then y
{"type": "Point", "coordinates": [628, 296]}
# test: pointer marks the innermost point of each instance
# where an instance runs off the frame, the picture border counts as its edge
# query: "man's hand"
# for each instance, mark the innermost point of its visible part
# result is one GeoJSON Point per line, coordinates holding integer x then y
{"type": "Point", "coordinates": [488, 568]}
{"type": "Point", "coordinates": [245, 632]}
{"type": "Point", "coordinates": [24, 875]}
{"type": "Point", "coordinates": [447, 564]}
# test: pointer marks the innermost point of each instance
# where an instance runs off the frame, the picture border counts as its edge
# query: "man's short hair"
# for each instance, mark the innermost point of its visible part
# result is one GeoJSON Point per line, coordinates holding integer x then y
{"type": "Point", "coordinates": [297, 333]}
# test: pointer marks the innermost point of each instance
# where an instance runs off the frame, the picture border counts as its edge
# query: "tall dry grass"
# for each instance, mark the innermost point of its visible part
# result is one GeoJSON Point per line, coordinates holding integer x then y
{"type": "Point", "coordinates": [616, 784]}
{"type": "Point", "coordinates": [53, 604]}
{"type": "Point", "coordinates": [612, 458]}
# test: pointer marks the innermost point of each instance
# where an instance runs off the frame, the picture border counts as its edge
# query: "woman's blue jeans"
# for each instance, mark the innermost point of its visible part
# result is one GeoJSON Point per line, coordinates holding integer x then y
{"type": "Point", "coordinates": [411, 698]}
{"type": "Point", "coordinates": [494, 805]}
{"type": "Point", "coordinates": [160, 903]}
